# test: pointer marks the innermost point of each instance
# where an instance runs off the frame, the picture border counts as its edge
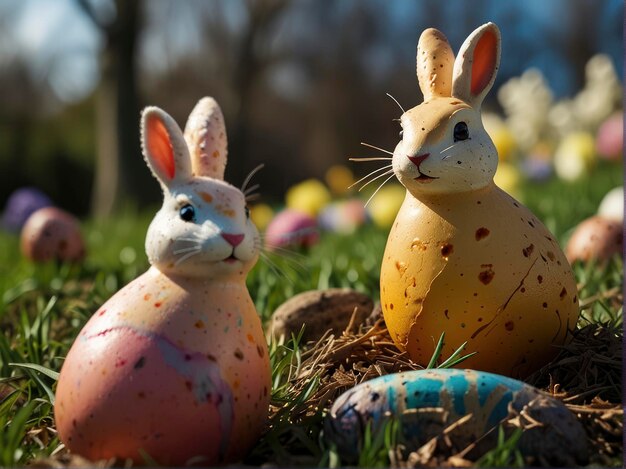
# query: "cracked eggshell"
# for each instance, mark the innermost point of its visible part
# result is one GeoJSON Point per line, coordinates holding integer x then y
{"type": "Point", "coordinates": [179, 375]}
{"type": "Point", "coordinates": [51, 233]}
{"type": "Point", "coordinates": [596, 238]}
{"type": "Point", "coordinates": [481, 267]}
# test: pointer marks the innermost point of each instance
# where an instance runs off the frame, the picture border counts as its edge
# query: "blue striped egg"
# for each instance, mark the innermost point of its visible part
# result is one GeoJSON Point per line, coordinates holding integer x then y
{"type": "Point", "coordinates": [426, 402]}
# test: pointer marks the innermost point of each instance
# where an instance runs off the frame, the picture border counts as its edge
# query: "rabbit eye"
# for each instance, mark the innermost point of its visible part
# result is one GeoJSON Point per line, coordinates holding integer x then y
{"type": "Point", "coordinates": [461, 131]}
{"type": "Point", "coordinates": [247, 212]}
{"type": "Point", "coordinates": [187, 213]}
{"type": "Point", "coordinates": [401, 133]}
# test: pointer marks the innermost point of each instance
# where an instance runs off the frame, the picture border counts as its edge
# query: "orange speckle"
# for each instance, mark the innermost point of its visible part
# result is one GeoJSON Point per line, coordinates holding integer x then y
{"type": "Point", "coordinates": [236, 384]}
{"type": "Point", "coordinates": [157, 304]}
{"type": "Point", "coordinates": [146, 297]}
{"type": "Point", "coordinates": [250, 338]}
{"type": "Point", "coordinates": [199, 324]}
{"type": "Point", "coordinates": [208, 198]}
{"type": "Point", "coordinates": [486, 276]}
{"type": "Point", "coordinates": [216, 154]}
{"type": "Point", "coordinates": [229, 213]}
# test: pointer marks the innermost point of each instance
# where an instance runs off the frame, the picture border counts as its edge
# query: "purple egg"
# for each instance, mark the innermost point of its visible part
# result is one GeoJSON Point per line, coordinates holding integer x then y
{"type": "Point", "coordinates": [22, 203]}
{"type": "Point", "coordinates": [291, 228]}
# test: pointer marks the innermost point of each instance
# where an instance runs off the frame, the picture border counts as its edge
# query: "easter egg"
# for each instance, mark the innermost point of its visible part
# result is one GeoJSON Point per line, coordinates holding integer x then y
{"type": "Point", "coordinates": [291, 228]}
{"type": "Point", "coordinates": [343, 217]}
{"type": "Point", "coordinates": [51, 233]}
{"type": "Point", "coordinates": [487, 273]}
{"type": "Point", "coordinates": [319, 311]}
{"type": "Point", "coordinates": [261, 215]}
{"type": "Point", "coordinates": [508, 178]}
{"type": "Point", "coordinates": [575, 156]}
{"type": "Point", "coordinates": [385, 205]}
{"type": "Point", "coordinates": [612, 204]}
{"type": "Point", "coordinates": [428, 401]}
{"type": "Point", "coordinates": [141, 375]}
{"type": "Point", "coordinates": [309, 197]}
{"type": "Point", "coordinates": [610, 138]}
{"type": "Point", "coordinates": [596, 238]}
{"type": "Point", "coordinates": [20, 205]}
{"type": "Point", "coordinates": [339, 178]}
{"type": "Point", "coordinates": [504, 141]}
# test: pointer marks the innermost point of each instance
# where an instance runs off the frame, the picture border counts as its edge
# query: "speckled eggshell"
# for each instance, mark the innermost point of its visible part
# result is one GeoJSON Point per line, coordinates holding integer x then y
{"type": "Point", "coordinates": [291, 228]}
{"type": "Point", "coordinates": [596, 238]}
{"type": "Point", "coordinates": [481, 267]}
{"type": "Point", "coordinates": [51, 233]}
{"type": "Point", "coordinates": [168, 372]}
{"type": "Point", "coordinates": [428, 401]}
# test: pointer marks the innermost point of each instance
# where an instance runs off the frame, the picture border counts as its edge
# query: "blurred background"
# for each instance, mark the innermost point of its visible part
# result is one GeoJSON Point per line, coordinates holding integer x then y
{"type": "Point", "coordinates": [301, 84]}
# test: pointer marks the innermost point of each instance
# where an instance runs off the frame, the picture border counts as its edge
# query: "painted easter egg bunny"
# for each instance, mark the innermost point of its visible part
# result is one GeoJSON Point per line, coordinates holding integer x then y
{"type": "Point", "coordinates": [463, 257]}
{"type": "Point", "coordinates": [175, 365]}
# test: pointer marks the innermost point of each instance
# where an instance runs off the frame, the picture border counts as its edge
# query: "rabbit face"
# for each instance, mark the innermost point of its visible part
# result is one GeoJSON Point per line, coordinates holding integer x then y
{"type": "Point", "coordinates": [444, 149]}
{"type": "Point", "coordinates": [203, 230]}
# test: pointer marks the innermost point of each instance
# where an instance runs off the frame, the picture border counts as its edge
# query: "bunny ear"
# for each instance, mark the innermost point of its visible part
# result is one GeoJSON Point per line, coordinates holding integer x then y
{"type": "Point", "coordinates": [205, 134]}
{"type": "Point", "coordinates": [164, 147]}
{"type": "Point", "coordinates": [476, 65]}
{"type": "Point", "coordinates": [435, 60]}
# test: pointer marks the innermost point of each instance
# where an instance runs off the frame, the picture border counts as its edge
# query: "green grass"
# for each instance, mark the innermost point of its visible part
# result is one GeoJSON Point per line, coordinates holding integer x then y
{"type": "Point", "coordinates": [42, 308]}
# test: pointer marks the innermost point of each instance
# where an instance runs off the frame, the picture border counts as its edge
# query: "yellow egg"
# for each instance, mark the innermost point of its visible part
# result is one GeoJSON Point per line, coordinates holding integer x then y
{"type": "Point", "coordinates": [508, 178]}
{"type": "Point", "coordinates": [504, 141]}
{"type": "Point", "coordinates": [385, 205]}
{"type": "Point", "coordinates": [575, 156]}
{"type": "Point", "coordinates": [309, 196]}
{"type": "Point", "coordinates": [339, 178]}
{"type": "Point", "coordinates": [261, 215]}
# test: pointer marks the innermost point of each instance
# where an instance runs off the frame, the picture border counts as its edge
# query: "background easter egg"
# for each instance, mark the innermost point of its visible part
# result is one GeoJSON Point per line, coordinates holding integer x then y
{"type": "Point", "coordinates": [428, 401]}
{"type": "Point", "coordinates": [612, 204]}
{"type": "Point", "coordinates": [22, 203]}
{"type": "Point", "coordinates": [596, 238]}
{"type": "Point", "coordinates": [575, 156]}
{"type": "Point", "coordinates": [309, 197]}
{"type": "Point", "coordinates": [51, 233]}
{"type": "Point", "coordinates": [291, 228]}
{"type": "Point", "coordinates": [610, 138]}
{"type": "Point", "coordinates": [343, 217]}
{"type": "Point", "coordinates": [384, 207]}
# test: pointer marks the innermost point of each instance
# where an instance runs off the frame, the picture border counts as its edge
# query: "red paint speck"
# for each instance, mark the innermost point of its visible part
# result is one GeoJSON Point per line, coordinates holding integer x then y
{"type": "Point", "coordinates": [102, 312]}
{"type": "Point", "coordinates": [120, 362]}
{"type": "Point", "coordinates": [157, 304]}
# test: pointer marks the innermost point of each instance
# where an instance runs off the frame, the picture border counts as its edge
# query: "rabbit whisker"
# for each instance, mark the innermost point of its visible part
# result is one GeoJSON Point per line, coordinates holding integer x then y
{"type": "Point", "coordinates": [272, 265]}
{"type": "Point", "coordinates": [396, 101]}
{"type": "Point", "coordinates": [189, 249]}
{"type": "Point", "coordinates": [251, 189]}
{"type": "Point", "coordinates": [252, 197]}
{"type": "Point", "coordinates": [379, 188]}
{"type": "Point", "coordinates": [244, 186]}
{"type": "Point", "coordinates": [377, 148]}
{"type": "Point", "coordinates": [368, 175]}
{"type": "Point", "coordinates": [187, 256]}
{"type": "Point", "coordinates": [390, 171]}
{"type": "Point", "coordinates": [285, 255]}
{"type": "Point", "coordinates": [190, 240]}
{"type": "Point", "coordinates": [378, 158]}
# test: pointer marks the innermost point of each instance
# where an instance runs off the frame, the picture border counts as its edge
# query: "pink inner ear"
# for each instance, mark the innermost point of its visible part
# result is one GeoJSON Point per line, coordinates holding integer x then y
{"type": "Point", "coordinates": [484, 62]}
{"type": "Point", "coordinates": [160, 148]}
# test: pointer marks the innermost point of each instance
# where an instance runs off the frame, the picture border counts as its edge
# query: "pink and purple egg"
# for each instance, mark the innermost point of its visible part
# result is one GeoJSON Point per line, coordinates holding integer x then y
{"type": "Point", "coordinates": [291, 228]}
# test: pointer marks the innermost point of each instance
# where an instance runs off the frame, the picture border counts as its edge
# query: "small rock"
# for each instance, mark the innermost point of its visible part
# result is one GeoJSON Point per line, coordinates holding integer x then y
{"type": "Point", "coordinates": [319, 311]}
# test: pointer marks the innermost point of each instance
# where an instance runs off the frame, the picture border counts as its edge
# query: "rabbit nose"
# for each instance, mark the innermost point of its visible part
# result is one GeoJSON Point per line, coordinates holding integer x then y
{"type": "Point", "coordinates": [233, 239]}
{"type": "Point", "coordinates": [417, 160]}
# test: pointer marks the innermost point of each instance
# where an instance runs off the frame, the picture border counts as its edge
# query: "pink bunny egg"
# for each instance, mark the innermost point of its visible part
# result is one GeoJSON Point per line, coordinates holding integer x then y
{"type": "Point", "coordinates": [174, 366]}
